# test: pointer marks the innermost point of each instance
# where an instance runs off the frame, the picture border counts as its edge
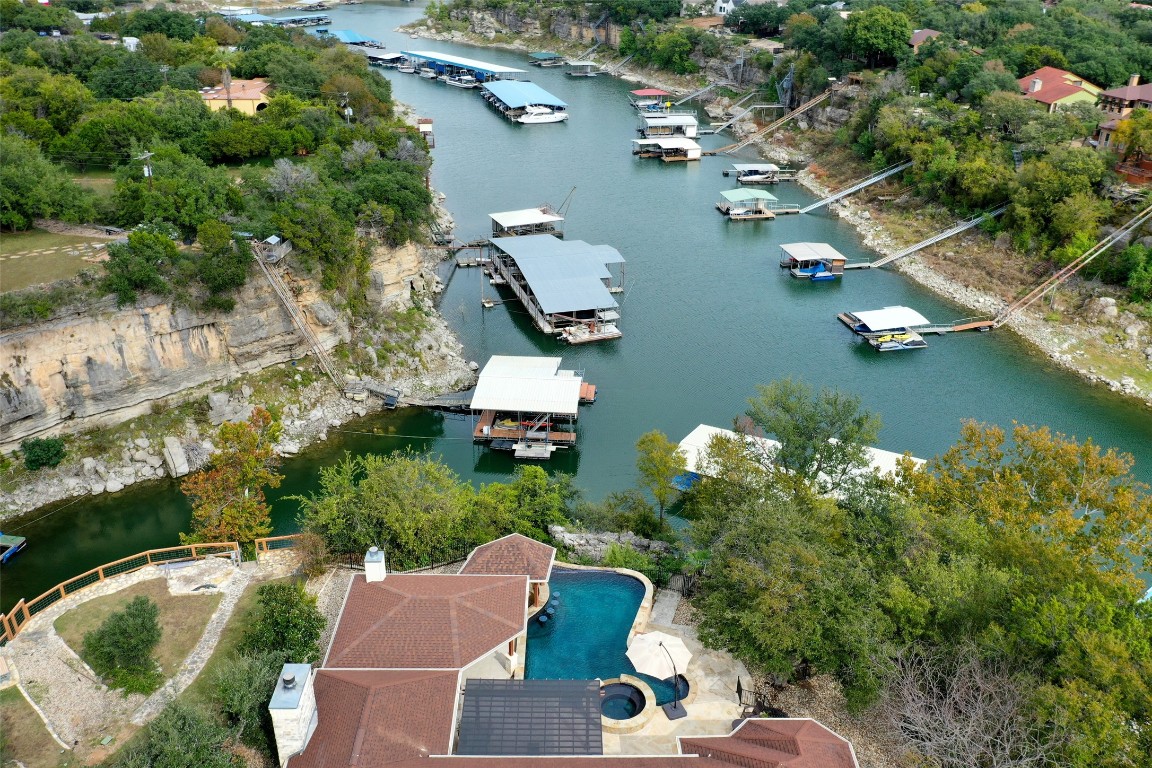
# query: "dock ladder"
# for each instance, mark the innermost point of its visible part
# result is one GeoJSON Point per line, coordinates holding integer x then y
{"type": "Point", "coordinates": [880, 176]}
{"type": "Point", "coordinates": [939, 236]}
{"type": "Point", "coordinates": [773, 125]}
{"type": "Point", "coordinates": [1022, 303]}
{"type": "Point", "coordinates": [289, 303]}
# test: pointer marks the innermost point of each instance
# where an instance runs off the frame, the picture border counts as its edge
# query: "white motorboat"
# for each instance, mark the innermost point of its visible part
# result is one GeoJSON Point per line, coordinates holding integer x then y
{"type": "Point", "coordinates": [463, 81]}
{"type": "Point", "coordinates": [428, 73]}
{"type": "Point", "coordinates": [534, 114]}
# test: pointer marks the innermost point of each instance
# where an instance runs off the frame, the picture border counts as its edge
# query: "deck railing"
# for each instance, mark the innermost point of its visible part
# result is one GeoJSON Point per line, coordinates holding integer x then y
{"type": "Point", "coordinates": [12, 622]}
{"type": "Point", "coordinates": [272, 543]}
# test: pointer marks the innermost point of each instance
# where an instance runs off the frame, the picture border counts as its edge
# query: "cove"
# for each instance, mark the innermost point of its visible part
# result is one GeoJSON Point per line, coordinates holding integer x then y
{"type": "Point", "coordinates": [707, 315]}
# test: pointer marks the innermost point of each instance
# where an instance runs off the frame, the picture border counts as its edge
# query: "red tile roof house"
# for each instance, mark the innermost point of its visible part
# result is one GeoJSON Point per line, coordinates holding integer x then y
{"type": "Point", "coordinates": [390, 689]}
{"type": "Point", "coordinates": [1055, 88]}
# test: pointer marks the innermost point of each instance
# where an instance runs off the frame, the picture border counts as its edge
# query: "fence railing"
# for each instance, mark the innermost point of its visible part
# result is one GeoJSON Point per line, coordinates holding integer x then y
{"type": "Point", "coordinates": [273, 543]}
{"type": "Point", "coordinates": [12, 622]}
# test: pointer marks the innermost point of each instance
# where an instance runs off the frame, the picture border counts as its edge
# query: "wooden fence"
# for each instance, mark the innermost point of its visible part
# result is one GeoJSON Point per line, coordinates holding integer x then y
{"type": "Point", "coordinates": [272, 543]}
{"type": "Point", "coordinates": [12, 622]}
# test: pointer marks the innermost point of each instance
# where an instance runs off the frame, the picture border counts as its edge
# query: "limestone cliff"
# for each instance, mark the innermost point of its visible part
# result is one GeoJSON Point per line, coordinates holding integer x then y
{"type": "Point", "coordinates": [99, 365]}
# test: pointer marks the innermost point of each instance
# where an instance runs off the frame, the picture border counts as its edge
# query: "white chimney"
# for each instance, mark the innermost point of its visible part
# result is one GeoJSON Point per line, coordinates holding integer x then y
{"type": "Point", "coordinates": [1134, 79]}
{"type": "Point", "coordinates": [1036, 83]}
{"type": "Point", "coordinates": [374, 568]}
{"type": "Point", "coordinates": [293, 709]}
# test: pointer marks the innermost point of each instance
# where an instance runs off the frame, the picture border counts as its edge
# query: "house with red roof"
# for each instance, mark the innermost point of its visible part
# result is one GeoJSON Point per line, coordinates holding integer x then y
{"type": "Point", "coordinates": [1056, 88]}
{"type": "Point", "coordinates": [921, 36]}
{"type": "Point", "coordinates": [431, 666]}
{"type": "Point", "coordinates": [1118, 103]}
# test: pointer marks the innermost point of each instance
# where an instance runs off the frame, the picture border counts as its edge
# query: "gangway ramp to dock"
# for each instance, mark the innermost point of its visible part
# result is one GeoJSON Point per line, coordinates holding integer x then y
{"type": "Point", "coordinates": [288, 301]}
{"type": "Point", "coordinates": [717, 127]}
{"type": "Point", "coordinates": [940, 236]}
{"type": "Point", "coordinates": [773, 125]}
{"type": "Point", "coordinates": [1022, 303]}
{"type": "Point", "coordinates": [874, 178]}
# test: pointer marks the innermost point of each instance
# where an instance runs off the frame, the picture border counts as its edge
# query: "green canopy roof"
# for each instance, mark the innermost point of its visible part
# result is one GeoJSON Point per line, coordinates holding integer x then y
{"type": "Point", "coordinates": [544, 55]}
{"type": "Point", "coordinates": [747, 195]}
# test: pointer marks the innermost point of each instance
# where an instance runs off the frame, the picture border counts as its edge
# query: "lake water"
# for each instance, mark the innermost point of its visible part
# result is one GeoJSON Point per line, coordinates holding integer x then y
{"type": "Point", "coordinates": [707, 316]}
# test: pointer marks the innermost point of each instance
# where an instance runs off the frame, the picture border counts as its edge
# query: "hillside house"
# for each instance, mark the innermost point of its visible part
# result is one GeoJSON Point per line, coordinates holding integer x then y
{"type": "Point", "coordinates": [1056, 88]}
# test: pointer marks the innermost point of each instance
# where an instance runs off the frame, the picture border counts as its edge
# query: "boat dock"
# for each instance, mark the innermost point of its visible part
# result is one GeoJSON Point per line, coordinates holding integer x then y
{"type": "Point", "coordinates": [516, 99]}
{"type": "Point", "coordinates": [812, 261]}
{"type": "Point", "coordinates": [668, 150]}
{"type": "Point", "coordinates": [583, 69]}
{"type": "Point", "coordinates": [752, 204]}
{"type": "Point", "coordinates": [698, 442]}
{"type": "Point", "coordinates": [546, 59]}
{"type": "Point", "coordinates": [349, 37]}
{"type": "Point", "coordinates": [565, 285]}
{"type": "Point", "coordinates": [445, 64]}
{"type": "Point", "coordinates": [529, 221]}
{"type": "Point", "coordinates": [760, 173]}
{"type": "Point", "coordinates": [528, 405]}
{"type": "Point", "coordinates": [664, 125]}
{"type": "Point", "coordinates": [260, 20]}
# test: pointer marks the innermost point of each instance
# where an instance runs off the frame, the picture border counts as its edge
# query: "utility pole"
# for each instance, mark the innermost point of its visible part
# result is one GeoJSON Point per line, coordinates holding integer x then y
{"type": "Point", "coordinates": [347, 109]}
{"type": "Point", "coordinates": [226, 80]}
{"type": "Point", "coordinates": [147, 168]}
{"type": "Point", "coordinates": [164, 71]}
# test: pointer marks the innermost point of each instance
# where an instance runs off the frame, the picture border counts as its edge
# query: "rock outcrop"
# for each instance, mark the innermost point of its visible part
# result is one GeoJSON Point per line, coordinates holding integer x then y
{"type": "Point", "coordinates": [595, 545]}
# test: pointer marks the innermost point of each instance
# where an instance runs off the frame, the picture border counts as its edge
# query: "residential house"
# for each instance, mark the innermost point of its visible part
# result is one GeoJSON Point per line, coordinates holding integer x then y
{"type": "Point", "coordinates": [921, 36]}
{"type": "Point", "coordinates": [247, 96]}
{"type": "Point", "coordinates": [1056, 88]}
{"type": "Point", "coordinates": [1117, 103]}
{"type": "Point", "coordinates": [724, 7]}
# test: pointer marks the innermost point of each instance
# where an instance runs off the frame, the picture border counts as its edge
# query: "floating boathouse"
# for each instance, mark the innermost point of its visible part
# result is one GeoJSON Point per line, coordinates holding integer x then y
{"type": "Point", "coordinates": [516, 98]}
{"type": "Point", "coordinates": [668, 150]}
{"type": "Point", "coordinates": [760, 173]}
{"type": "Point", "coordinates": [445, 64]}
{"type": "Point", "coordinates": [890, 329]}
{"type": "Point", "coordinates": [529, 221]}
{"type": "Point", "coordinates": [746, 204]}
{"type": "Point", "coordinates": [668, 126]}
{"type": "Point", "coordinates": [812, 261]}
{"type": "Point", "coordinates": [528, 405]}
{"type": "Point", "coordinates": [565, 285]}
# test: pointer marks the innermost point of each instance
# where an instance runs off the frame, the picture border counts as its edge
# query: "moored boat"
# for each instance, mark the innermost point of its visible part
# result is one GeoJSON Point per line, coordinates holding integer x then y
{"type": "Point", "coordinates": [535, 114]}
{"type": "Point", "coordinates": [462, 81]}
{"type": "Point", "coordinates": [10, 545]}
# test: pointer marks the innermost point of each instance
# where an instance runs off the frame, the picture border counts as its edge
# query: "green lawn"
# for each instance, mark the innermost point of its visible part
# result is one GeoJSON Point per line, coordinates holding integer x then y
{"type": "Point", "coordinates": [24, 737]}
{"type": "Point", "coordinates": [182, 619]}
{"type": "Point", "coordinates": [35, 257]}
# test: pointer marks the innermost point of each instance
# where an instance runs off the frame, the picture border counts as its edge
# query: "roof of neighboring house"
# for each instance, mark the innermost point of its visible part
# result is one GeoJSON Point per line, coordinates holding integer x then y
{"type": "Point", "coordinates": [252, 90]}
{"type": "Point", "coordinates": [1131, 92]}
{"type": "Point", "coordinates": [360, 709]}
{"type": "Point", "coordinates": [426, 621]}
{"type": "Point", "coordinates": [781, 743]}
{"type": "Point", "coordinates": [921, 35]}
{"type": "Point", "coordinates": [515, 554]}
{"type": "Point", "coordinates": [1055, 84]}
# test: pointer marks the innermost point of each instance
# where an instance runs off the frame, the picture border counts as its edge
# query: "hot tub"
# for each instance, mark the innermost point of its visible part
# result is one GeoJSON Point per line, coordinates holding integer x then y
{"type": "Point", "coordinates": [621, 701]}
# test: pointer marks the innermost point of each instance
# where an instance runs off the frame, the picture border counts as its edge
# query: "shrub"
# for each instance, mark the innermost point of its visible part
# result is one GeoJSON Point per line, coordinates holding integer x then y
{"type": "Point", "coordinates": [42, 452]}
{"type": "Point", "coordinates": [120, 650]}
{"type": "Point", "coordinates": [287, 625]}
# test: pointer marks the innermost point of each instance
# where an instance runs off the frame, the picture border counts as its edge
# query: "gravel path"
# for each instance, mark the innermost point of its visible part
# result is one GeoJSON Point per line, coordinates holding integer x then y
{"type": "Point", "coordinates": [232, 588]}
{"type": "Point", "coordinates": [330, 590]}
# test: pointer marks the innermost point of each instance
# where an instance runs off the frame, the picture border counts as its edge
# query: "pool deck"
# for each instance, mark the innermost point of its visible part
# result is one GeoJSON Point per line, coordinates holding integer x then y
{"type": "Point", "coordinates": [711, 702]}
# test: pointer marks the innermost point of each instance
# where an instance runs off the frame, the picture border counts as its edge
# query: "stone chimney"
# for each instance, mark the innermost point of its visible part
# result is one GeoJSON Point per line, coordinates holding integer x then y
{"type": "Point", "coordinates": [374, 568]}
{"type": "Point", "coordinates": [1036, 83]}
{"type": "Point", "coordinates": [293, 710]}
{"type": "Point", "coordinates": [1134, 79]}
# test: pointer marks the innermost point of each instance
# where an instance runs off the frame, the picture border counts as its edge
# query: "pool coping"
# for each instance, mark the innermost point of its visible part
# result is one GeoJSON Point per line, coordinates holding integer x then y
{"type": "Point", "coordinates": [632, 724]}
{"type": "Point", "coordinates": [644, 612]}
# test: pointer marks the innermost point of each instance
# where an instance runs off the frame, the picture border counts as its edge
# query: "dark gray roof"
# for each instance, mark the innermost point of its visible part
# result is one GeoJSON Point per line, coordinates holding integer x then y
{"type": "Point", "coordinates": [531, 717]}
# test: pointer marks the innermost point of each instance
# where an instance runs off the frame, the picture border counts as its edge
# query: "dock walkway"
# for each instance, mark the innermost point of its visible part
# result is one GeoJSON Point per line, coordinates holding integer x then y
{"type": "Point", "coordinates": [502, 431]}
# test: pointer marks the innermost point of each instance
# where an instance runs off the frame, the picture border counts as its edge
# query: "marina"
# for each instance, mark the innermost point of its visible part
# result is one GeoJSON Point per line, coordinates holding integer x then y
{"type": "Point", "coordinates": [668, 150]}
{"type": "Point", "coordinates": [447, 64]}
{"type": "Point", "coordinates": [525, 102]}
{"type": "Point", "coordinates": [391, 60]}
{"type": "Point", "coordinates": [812, 261]}
{"type": "Point", "coordinates": [528, 405]}
{"type": "Point", "coordinates": [349, 37]}
{"type": "Point", "coordinates": [696, 286]}
{"type": "Point", "coordinates": [565, 285]}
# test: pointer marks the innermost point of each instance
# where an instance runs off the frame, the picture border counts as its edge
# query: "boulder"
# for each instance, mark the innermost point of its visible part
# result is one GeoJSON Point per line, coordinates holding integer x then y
{"type": "Point", "coordinates": [141, 442]}
{"type": "Point", "coordinates": [174, 457]}
{"type": "Point", "coordinates": [113, 485]}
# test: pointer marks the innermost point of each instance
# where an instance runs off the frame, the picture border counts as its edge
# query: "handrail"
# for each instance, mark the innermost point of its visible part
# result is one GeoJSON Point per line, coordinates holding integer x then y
{"type": "Point", "coordinates": [773, 125]}
{"type": "Point", "coordinates": [12, 622]}
{"type": "Point", "coordinates": [269, 544]}
{"type": "Point", "coordinates": [301, 323]}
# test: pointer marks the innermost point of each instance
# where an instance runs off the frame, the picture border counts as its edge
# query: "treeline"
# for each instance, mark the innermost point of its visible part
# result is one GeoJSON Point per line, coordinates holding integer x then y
{"type": "Point", "coordinates": [988, 605]}
{"type": "Point", "coordinates": [975, 142]}
{"type": "Point", "coordinates": [323, 160]}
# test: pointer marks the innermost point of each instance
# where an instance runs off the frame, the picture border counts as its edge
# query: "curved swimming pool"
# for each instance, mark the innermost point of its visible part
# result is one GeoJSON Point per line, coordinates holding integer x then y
{"type": "Point", "coordinates": [586, 635]}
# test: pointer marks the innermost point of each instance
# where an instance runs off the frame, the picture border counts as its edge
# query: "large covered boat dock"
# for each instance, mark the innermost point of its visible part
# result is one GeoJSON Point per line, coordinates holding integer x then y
{"type": "Point", "coordinates": [446, 64]}
{"type": "Point", "coordinates": [513, 98]}
{"type": "Point", "coordinates": [565, 285]}
{"type": "Point", "coordinates": [529, 221]}
{"type": "Point", "coordinates": [528, 405]}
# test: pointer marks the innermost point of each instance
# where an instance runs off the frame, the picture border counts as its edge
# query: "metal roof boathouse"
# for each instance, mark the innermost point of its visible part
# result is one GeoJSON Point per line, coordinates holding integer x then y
{"type": "Point", "coordinates": [528, 405]}
{"type": "Point", "coordinates": [529, 221]}
{"type": "Point", "coordinates": [516, 98]}
{"type": "Point", "coordinates": [445, 63]}
{"type": "Point", "coordinates": [566, 285]}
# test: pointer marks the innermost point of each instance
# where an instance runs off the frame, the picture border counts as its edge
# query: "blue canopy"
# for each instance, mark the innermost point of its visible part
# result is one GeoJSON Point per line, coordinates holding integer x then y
{"type": "Point", "coordinates": [350, 37]}
{"type": "Point", "coordinates": [519, 93]}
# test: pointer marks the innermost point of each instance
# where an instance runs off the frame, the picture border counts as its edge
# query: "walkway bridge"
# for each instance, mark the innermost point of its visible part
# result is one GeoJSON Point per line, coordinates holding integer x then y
{"type": "Point", "coordinates": [962, 226]}
{"type": "Point", "coordinates": [772, 126]}
{"type": "Point", "coordinates": [288, 301]}
{"type": "Point", "coordinates": [701, 92]}
{"type": "Point", "coordinates": [717, 127]}
{"type": "Point", "coordinates": [889, 171]}
{"type": "Point", "coordinates": [614, 68]}
{"type": "Point", "coordinates": [1022, 303]}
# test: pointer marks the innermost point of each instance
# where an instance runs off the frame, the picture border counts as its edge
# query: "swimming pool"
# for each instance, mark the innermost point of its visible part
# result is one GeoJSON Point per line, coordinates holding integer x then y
{"type": "Point", "coordinates": [587, 635]}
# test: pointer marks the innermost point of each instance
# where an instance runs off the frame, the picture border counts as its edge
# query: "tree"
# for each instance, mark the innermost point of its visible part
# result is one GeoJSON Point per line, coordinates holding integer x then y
{"type": "Point", "coordinates": [1061, 509]}
{"type": "Point", "coordinates": [287, 626]}
{"type": "Point", "coordinates": [31, 187]}
{"type": "Point", "coordinates": [822, 437]}
{"type": "Point", "coordinates": [228, 497]}
{"type": "Point", "coordinates": [120, 649]}
{"type": "Point", "coordinates": [1134, 133]}
{"type": "Point", "coordinates": [137, 265]}
{"type": "Point", "coordinates": [182, 191]}
{"type": "Point", "coordinates": [877, 33]}
{"type": "Point", "coordinates": [182, 736]}
{"type": "Point", "coordinates": [42, 452]}
{"type": "Point", "coordinates": [659, 461]}
{"type": "Point", "coordinates": [240, 692]}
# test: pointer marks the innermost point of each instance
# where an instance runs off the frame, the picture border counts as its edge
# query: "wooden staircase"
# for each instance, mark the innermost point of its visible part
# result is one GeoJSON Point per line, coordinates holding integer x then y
{"type": "Point", "coordinates": [288, 301]}
{"type": "Point", "coordinates": [773, 125]}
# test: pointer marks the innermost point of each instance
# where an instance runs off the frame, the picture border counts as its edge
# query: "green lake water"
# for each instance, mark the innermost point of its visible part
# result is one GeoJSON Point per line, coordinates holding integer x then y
{"type": "Point", "coordinates": [707, 315]}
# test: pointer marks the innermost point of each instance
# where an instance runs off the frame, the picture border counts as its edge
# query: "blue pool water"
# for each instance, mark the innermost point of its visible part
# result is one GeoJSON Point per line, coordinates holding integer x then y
{"type": "Point", "coordinates": [587, 635]}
